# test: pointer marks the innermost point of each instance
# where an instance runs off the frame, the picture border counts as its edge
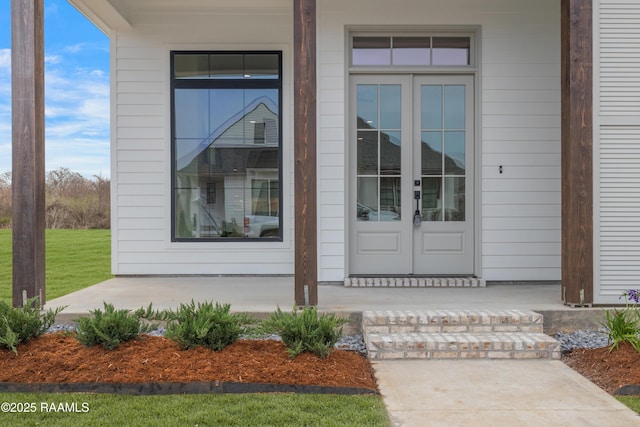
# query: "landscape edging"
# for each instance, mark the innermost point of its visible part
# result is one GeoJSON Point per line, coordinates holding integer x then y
{"type": "Point", "coordinates": [165, 388]}
{"type": "Point", "coordinates": [628, 390]}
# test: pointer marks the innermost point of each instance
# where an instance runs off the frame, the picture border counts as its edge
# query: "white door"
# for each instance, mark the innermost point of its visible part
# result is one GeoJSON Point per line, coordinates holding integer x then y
{"type": "Point", "coordinates": [411, 175]}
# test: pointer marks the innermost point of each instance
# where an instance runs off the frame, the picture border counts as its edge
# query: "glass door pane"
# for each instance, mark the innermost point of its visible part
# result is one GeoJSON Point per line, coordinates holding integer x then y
{"type": "Point", "coordinates": [443, 152]}
{"type": "Point", "coordinates": [378, 153]}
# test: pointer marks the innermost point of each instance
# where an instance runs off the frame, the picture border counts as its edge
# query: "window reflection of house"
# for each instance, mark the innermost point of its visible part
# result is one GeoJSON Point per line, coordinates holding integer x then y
{"type": "Point", "coordinates": [228, 178]}
{"type": "Point", "coordinates": [244, 153]}
{"type": "Point", "coordinates": [379, 155]}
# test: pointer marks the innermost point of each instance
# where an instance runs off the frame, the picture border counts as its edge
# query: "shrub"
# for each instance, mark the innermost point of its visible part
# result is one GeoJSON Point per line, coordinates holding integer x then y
{"type": "Point", "coordinates": [113, 327]}
{"type": "Point", "coordinates": [624, 324]}
{"type": "Point", "coordinates": [205, 325]}
{"type": "Point", "coordinates": [306, 331]}
{"type": "Point", "coordinates": [20, 324]}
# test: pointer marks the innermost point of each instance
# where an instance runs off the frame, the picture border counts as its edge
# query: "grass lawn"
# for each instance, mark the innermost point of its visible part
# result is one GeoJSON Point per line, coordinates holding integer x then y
{"type": "Point", "coordinates": [198, 410]}
{"type": "Point", "coordinates": [632, 402]}
{"type": "Point", "coordinates": [75, 259]}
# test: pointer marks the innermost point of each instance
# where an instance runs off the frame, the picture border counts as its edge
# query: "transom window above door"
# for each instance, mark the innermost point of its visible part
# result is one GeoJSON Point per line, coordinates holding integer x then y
{"type": "Point", "coordinates": [411, 50]}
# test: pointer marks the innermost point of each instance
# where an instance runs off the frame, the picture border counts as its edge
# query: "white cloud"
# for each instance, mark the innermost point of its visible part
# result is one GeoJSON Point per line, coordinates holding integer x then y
{"type": "Point", "coordinates": [52, 59]}
{"type": "Point", "coordinates": [74, 48]}
{"type": "Point", "coordinates": [5, 59]}
{"type": "Point", "coordinates": [77, 111]}
{"type": "Point", "coordinates": [97, 73]}
{"type": "Point", "coordinates": [5, 110]}
{"type": "Point", "coordinates": [50, 9]}
{"type": "Point", "coordinates": [88, 156]}
{"type": "Point", "coordinates": [77, 119]}
{"type": "Point", "coordinates": [76, 100]}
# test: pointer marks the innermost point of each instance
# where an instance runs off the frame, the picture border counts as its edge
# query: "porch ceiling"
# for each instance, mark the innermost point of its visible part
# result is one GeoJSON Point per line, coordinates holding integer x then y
{"type": "Point", "coordinates": [121, 15]}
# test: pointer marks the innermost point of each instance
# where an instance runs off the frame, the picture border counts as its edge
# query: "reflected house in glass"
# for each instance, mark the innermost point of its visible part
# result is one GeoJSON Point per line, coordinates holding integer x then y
{"type": "Point", "coordinates": [240, 160]}
{"type": "Point", "coordinates": [434, 162]}
{"type": "Point", "coordinates": [204, 184]}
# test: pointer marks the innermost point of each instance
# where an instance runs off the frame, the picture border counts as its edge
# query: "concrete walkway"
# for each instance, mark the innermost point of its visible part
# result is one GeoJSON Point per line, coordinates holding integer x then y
{"type": "Point", "coordinates": [416, 392]}
{"type": "Point", "coordinates": [492, 393]}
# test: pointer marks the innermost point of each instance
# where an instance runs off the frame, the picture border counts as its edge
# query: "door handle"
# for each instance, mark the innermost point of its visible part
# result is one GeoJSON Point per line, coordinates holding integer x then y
{"type": "Point", "coordinates": [417, 217]}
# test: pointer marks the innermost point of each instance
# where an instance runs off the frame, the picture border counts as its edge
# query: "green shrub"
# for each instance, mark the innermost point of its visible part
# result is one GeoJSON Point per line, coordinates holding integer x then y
{"type": "Point", "coordinates": [112, 327]}
{"type": "Point", "coordinates": [624, 324]}
{"type": "Point", "coordinates": [20, 324]}
{"type": "Point", "coordinates": [306, 331]}
{"type": "Point", "coordinates": [205, 325]}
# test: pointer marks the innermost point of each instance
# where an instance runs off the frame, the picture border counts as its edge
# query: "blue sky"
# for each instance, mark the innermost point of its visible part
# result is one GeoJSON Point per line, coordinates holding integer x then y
{"type": "Point", "coordinates": [76, 91]}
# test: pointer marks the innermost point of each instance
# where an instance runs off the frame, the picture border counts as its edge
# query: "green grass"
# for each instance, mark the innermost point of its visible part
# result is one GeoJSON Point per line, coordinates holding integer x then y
{"type": "Point", "coordinates": [201, 410]}
{"type": "Point", "coordinates": [632, 402]}
{"type": "Point", "coordinates": [75, 259]}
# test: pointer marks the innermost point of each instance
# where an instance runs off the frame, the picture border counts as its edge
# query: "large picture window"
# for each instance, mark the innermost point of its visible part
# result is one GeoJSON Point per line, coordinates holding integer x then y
{"type": "Point", "coordinates": [226, 145]}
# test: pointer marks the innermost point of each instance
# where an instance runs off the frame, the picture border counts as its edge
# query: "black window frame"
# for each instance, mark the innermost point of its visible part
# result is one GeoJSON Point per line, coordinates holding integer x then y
{"type": "Point", "coordinates": [230, 83]}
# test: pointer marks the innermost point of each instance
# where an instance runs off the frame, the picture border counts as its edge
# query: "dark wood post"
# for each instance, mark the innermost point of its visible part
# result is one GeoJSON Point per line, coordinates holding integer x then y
{"type": "Point", "coordinates": [577, 152]}
{"type": "Point", "coordinates": [28, 181]}
{"type": "Point", "coordinates": [306, 252]}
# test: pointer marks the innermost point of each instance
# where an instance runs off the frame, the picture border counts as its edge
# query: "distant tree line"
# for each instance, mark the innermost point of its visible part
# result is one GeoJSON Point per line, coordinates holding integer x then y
{"type": "Point", "coordinates": [72, 201]}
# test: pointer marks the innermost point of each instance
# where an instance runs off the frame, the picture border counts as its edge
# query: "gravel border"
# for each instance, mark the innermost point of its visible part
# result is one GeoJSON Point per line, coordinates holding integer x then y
{"type": "Point", "coordinates": [568, 341]}
{"type": "Point", "coordinates": [347, 342]}
{"type": "Point", "coordinates": [582, 339]}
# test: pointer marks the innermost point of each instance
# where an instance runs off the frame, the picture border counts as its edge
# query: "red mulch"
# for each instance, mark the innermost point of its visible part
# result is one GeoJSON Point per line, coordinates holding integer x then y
{"type": "Point", "coordinates": [58, 358]}
{"type": "Point", "coordinates": [608, 370]}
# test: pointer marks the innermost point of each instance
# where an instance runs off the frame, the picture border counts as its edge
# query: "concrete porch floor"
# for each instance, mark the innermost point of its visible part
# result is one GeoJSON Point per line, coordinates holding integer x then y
{"type": "Point", "coordinates": [264, 294]}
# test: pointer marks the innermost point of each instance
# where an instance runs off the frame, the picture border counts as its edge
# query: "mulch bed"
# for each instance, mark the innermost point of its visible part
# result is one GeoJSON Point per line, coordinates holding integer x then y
{"type": "Point", "coordinates": [610, 370]}
{"type": "Point", "coordinates": [61, 359]}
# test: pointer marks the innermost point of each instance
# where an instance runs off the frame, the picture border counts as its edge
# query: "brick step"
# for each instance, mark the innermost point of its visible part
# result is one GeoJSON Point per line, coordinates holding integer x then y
{"type": "Point", "coordinates": [451, 321]}
{"type": "Point", "coordinates": [414, 282]}
{"type": "Point", "coordinates": [495, 345]}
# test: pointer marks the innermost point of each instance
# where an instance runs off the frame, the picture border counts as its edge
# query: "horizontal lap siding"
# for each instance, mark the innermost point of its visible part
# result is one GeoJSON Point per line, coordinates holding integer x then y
{"type": "Point", "coordinates": [619, 209]}
{"type": "Point", "coordinates": [332, 245]}
{"type": "Point", "coordinates": [520, 130]}
{"type": "Point", "coordinates": [519, 125]}
{"type": "Point", "coordinates": [139, 150]}
{"type": "Point", "coordinates": [619, 58]}
{"type": "Point", "coordinates": [617, 118]}
{"type": "Point", "coordinates": [141, 146]}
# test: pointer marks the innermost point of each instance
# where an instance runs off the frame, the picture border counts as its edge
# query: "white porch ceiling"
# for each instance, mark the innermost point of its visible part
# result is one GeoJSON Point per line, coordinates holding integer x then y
{"type": "Point", "coordinates": [122, 15]}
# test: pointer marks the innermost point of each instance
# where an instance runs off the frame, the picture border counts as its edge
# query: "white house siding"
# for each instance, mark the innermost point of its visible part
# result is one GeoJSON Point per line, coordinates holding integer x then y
{"type": "Point", "coordinates": [519, 128]}
{"type": "Point", "coordinates": [141, 154]}
{"type": "Point", "coordinates": [616, 148]}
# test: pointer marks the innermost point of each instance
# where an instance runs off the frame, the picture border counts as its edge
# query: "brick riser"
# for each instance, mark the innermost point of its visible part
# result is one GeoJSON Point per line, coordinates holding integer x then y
{"type": "Point", "coordinates": [510, 334]}
{"type": "Point", "coordinates": [413, 282]}
{"type": "Point", "coordinates": [498, 345]}
{"type": "Point", "coordinates": [452, 321]}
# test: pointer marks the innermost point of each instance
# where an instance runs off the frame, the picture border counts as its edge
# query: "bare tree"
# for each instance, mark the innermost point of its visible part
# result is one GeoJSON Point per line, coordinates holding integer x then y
{"type": "Point", "coordinates": [72, 201]}
{"type": "Point", "coordinates": [5, 199]}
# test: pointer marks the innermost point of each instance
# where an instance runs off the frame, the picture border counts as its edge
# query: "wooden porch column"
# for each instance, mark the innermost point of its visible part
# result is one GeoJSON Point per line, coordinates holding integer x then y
{"type": "Point", "coordinates": [306, 263]}
{"type": "Point", "coordinates": [577, 152]}
{"type": "Point", "coordinates": [28, 181]}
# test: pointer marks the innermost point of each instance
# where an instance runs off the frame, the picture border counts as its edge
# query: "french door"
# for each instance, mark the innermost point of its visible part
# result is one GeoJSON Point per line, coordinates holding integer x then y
{"type": "Point", "coordinates": [411, 175]}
